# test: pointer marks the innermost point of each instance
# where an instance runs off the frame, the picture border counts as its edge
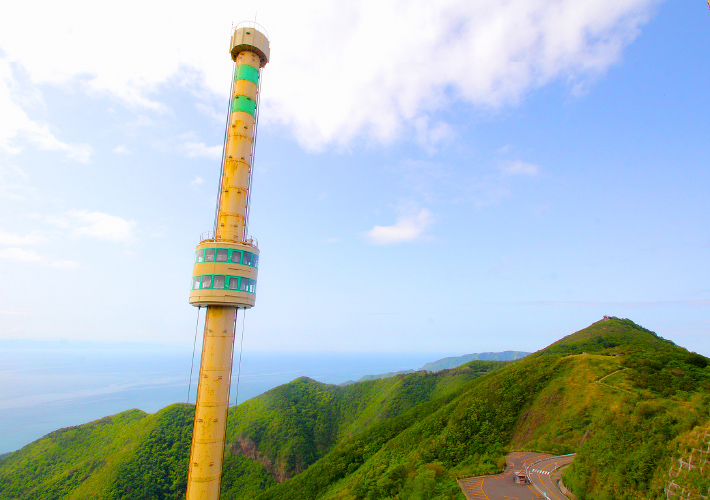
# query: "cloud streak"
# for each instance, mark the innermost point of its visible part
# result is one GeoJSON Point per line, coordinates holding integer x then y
{"type": "Point", "coordinates": [520, 168]}
{"type": "Point", "coordinates": [201, 150]}
{"type": "Point", "coordinates": [101, 226]}
{"type": "Point", "coordinates": [17, 129]}
{"type": "Point", "coordinates": [15, 254]}
{"type": "Point", "coordinates": [406, 229]}
{"type": "Point", "coordinates": [27, 256]}
{"type": "Point", "coordinates": [15, 239]}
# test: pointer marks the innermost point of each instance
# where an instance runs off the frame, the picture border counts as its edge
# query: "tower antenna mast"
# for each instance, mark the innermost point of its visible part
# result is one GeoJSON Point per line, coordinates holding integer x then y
{"type": "Point", "coordinates": [225, 270]}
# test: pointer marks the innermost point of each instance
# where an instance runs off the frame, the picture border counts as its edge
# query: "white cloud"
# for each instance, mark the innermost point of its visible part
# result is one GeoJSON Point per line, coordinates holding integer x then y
{"type": "Point", "coordinates": [57, 221]}
{"type": "Point", "coordinates": [429, 135]}
{"type": "Point", "coordinates": [121, 150]}
{"type": "Point", "coordinates": [102, 226]}
{"type": "Point", "coordinates": [407, 228]}
{"type": "Point", "coordinates": [430, 55]}
{"type": "Point", "coordinates": [24, 255]}
{"type": "Point", "coordinates": [8, 172]}
{"type": "Point", "coordinates": [200, 149]}
{"type": "Point", "coordinates": [15, 239]}
{"type": "Point", "coordinates": [520, 168]}
{"type": "Point", "coordinates": [197, 181]}
{"type": "Point", "coordinates": [16, 127]}
{"type": "Point", "coordinates": [20, 255]}
{"type": "Point", "coordinates": [339, 70]}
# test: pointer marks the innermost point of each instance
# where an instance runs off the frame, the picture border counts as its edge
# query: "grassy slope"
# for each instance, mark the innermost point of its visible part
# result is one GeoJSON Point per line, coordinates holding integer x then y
{"type": "Point", "coordinates": [419, 453]}
{"type": "Point", "coordinates": [157, 467]}
{"type": "Point", "coordinates": [60, 463]}
{"type": "Point", "coordinates": [546, 402]}
{"type": "Point", "coordinates": [659, 392]}
{"type": "Point", "coordinates": [125, 456]}
{"type": "Point", "coordinates": [693, 449]}
{"type": "Point", "coordinates": [295, 424]}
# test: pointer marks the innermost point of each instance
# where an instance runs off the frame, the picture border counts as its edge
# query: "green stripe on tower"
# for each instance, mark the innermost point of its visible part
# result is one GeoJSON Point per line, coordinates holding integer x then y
{"type": "Point", "coordinates": [243, 103]}
{"type": "Point", "coordinates": [247, 72]}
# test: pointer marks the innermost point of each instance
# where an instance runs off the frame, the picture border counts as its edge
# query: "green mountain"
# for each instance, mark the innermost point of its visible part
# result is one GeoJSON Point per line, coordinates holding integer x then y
{"type": "Point", "coordinates": [640, 402]}
{"type": "Point", "coordinates": [366, 378]}
{"type": "Point", "coordinates": [629, 406]}
{"type": "Point", "coordinates": [270, 437]}
{"type": "Point", "coordinates": [453, 362]}
{"type": "Point", "coordinates": [98, 459]}
{"type": "Point", "coordinates": [447, 363]}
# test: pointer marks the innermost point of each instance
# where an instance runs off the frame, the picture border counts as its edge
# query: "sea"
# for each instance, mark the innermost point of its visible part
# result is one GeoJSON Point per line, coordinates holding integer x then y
{"type": "Point", "coordinates": [49, 385]}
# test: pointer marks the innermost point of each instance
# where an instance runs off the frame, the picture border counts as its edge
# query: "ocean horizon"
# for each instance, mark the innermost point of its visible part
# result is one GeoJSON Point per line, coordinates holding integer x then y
{"type": "Point", "coordinates": [45, 386]}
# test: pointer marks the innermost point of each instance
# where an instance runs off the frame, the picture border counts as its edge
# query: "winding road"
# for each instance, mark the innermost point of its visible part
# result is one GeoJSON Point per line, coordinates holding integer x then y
{"type": "Point", "coordinates": [540, 473]}
{"type": "Point", "coordinates": [540, 469]}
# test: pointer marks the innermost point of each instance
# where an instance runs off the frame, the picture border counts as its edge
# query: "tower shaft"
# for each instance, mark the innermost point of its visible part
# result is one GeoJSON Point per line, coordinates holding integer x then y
{"type": "Point", "coordinates": [225, 270]}
{"type": "Point", "coordinates": [236, 178]}
{"type": "Point", "coordinates": [206, 451]}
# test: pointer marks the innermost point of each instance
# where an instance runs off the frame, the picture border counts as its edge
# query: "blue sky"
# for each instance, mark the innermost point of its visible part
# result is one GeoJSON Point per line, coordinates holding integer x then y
{"type": "Point", "coordinates": [445, 177]}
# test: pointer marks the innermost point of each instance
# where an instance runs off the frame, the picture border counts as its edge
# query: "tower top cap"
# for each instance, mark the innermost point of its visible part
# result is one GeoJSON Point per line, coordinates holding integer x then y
{"type": "Point", "coordinates": [249, 38]}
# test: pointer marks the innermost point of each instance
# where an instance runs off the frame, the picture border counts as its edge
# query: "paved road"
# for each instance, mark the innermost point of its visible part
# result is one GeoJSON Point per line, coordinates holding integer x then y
{"type": "Point", "coordinates": [503, 487]}
{"type": "Point", "coordinates": [540, 473]}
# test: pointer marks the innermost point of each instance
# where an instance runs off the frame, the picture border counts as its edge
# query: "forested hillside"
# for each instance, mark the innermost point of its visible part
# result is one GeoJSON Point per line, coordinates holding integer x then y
{"type": "Point", "coordinates": [625, 400]}
{"type": "Point", "coordinates": [627, 390]}
{"type": "Point", "coordinates": [270, 438]}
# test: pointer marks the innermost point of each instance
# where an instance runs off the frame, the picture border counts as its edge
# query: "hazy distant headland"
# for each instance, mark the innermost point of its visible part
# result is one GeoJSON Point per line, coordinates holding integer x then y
{"type": "Point", "coordinates": [446, 363]}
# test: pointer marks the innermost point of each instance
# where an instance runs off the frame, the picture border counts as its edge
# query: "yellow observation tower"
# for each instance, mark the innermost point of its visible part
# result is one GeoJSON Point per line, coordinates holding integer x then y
{"type": "Point", "coordinates": [225, 270]}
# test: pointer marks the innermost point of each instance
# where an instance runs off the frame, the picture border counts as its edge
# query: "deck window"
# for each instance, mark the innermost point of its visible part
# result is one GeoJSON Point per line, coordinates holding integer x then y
{"type": "Point", "coordinates": [221, 282]}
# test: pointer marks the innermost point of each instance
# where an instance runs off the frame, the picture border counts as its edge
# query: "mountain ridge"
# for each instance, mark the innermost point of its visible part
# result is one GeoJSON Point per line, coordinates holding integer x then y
{"type": "Point", "coordinates": [447, 363]}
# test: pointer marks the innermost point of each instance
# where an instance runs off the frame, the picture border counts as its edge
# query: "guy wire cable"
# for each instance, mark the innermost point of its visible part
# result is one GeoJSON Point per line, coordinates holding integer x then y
{"type": "Point", "coordinates": [229, 392]}
{"type": "Point", "coordinates": [253, 152]}
{"type": "Point", "coordinates": [224, 149]}
{"type": "Point", "coordinates": [192, 365]}
{"type": "Point", "coordinates": [194, 344]}
{"type": "Point", "coordinates": [241, 350]}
